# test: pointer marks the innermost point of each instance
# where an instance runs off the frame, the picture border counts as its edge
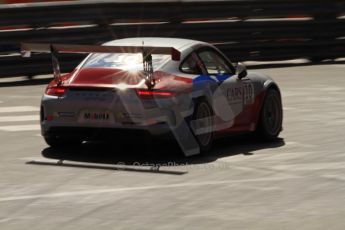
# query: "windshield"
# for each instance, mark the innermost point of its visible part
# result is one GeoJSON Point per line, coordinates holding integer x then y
{"type": "Point", "coordinates": [124, 61]}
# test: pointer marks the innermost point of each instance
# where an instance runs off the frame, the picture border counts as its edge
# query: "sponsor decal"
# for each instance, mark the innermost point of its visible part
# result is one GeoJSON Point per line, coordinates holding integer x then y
{"type": "Point", "coordinates": [248, 93]}
{"type": "Point", "coordinates": [234, 94]}
{"type": "Point", "coordinates": [243, 92]}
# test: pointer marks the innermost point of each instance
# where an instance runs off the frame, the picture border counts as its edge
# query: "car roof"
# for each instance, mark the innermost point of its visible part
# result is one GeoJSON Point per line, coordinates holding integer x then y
{"type": "Point", "coordinates": [177, 43]}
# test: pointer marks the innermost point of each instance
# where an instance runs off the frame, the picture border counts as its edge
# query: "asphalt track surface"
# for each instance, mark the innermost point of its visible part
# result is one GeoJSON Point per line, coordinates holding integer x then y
{"type": "Point", "coordinates": [297, 182]}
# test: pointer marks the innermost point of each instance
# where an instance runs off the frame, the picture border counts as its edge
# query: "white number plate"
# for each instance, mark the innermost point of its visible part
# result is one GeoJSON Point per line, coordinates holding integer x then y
{"type": "Point", "coordinates": [93, 116]}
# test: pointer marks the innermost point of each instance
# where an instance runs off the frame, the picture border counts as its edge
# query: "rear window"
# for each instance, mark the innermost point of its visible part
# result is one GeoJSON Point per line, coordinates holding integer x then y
{"type": "Point", "coordinates": [124, 61]}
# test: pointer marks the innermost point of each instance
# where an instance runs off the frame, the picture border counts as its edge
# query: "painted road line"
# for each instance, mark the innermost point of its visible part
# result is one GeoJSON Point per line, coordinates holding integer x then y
{"type": "Point", "coordinates": [298, 144]}
{"type": "Point", "coordinates": [335, 177]}
{"type": "Point", "coordinates": [311, 166]}
{"type": "Point", "coordinates": [16, 128]}
{"type": "Point", "coordinates": [24, 96]}
{"type": "Point", "coordinates": [142, 188]}
{"type": "Point", "coordinates": [18, 109]}
{"type": "Point", "coordinates": [19, 118]}
{"type": "Point", "coordinates": [288, 156]}
{"type": "Point", "coordinates": [289, 108]}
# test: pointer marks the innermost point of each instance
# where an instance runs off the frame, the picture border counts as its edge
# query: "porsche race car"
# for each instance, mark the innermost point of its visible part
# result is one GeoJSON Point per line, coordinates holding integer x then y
{"type": "Point", "coordinates": [153, 86]}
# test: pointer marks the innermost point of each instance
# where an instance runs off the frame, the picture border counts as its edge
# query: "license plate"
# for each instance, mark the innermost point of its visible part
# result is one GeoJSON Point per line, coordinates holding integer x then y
{"type": "Point", "coordinates": [96, 116]}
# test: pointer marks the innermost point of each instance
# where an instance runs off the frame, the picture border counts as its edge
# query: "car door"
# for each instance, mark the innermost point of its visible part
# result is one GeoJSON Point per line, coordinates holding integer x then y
{"type": "Point", "coordinates": [232, 95]}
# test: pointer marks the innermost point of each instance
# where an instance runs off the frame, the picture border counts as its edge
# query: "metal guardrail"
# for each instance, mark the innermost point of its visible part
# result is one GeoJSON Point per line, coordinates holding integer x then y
{"type": "Point", "coordinates": [258, 30]}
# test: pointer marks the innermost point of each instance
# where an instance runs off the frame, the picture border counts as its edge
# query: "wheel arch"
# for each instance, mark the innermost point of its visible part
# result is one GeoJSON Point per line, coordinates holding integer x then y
{"type": "Point", "coordinates": [270, 84]}
{"type": "Point", "coordinates": [267, 85]}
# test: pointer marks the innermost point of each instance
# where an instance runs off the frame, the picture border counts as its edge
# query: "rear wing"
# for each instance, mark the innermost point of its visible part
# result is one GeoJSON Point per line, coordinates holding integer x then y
{"type": "Point", "coordinates": [147, 51]}
{"type": "Point", "coordinates": [27, 48]}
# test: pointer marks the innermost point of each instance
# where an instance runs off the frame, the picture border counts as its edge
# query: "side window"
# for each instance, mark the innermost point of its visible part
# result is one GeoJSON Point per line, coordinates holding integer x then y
{"type": "Point", "coordinates": [214, 63]}
{"type": "Point", "coordinates": [190, 66]}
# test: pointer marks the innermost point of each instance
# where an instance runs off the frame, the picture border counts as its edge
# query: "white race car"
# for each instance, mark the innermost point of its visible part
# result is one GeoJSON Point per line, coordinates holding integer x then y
{"type": "Point", "coordinates": [155, 87]}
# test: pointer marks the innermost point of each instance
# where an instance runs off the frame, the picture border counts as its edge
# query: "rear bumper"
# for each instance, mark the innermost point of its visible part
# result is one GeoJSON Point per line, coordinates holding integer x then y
{"type": "Point", "coordinates": [102, 133]}
{"type": "Point", "coordinates": [65, 117]}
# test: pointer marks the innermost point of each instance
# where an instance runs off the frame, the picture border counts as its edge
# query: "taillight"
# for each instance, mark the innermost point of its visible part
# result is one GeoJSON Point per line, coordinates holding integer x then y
{"type": "Point", "coordinates": [149, 94]}
{"type": "Point", "coordinates": [56, 91]}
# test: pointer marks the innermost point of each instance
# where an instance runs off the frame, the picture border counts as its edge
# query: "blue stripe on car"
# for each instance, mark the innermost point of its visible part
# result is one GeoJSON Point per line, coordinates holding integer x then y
{"type": "Point", "coordinates": [214, 78]}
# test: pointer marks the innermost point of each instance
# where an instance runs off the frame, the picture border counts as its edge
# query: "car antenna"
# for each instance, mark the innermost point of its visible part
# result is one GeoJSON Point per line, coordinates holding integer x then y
{"type": "Point", "coordinates": [148, 68]}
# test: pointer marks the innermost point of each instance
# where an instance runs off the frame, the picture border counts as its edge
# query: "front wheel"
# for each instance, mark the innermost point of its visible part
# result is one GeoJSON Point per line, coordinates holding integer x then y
{"type": "Point", "coordinates": [271, 116]}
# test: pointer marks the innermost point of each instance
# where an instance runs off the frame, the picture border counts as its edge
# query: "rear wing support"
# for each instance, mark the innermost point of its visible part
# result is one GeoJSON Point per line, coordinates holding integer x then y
{"type": "Point", "coordinates": [148, 69]}
{"type": "Point", "coordinates": [54, 49]}
{"type": "Point", "coordinates": [56, 65]}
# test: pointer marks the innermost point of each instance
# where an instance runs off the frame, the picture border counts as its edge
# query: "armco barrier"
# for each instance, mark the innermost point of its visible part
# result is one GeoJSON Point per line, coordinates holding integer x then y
{"type": "Point", "coordinates": [243, 29]}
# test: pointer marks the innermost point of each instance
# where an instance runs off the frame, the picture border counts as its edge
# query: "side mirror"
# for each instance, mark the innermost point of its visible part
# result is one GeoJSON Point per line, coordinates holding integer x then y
{"type": "Point", "coordinates": [241, 70]}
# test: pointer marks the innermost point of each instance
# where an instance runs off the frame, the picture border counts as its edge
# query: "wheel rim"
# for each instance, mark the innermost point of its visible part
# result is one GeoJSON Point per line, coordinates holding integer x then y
{"type": "Point", "coordinates": [273, 115]}
{"type": "Point", "coordinates": [204, 120]}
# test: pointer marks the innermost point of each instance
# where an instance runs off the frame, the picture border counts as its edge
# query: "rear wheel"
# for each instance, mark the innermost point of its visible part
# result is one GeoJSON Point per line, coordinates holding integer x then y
{"type": "Point", "coordinates": [202, 124]}
{"type": "Point", "coordinates": [56, 142]}
{"type": "Point", "coordinates": [271, 116]}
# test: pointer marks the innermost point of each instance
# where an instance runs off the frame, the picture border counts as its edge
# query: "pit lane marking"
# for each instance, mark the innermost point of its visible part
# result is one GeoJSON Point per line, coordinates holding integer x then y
{"type": "Point", "coordinates": [19, 118]}
{"type": "Point", "coordinates": [12, 109]}
{"type": "Point", "coordinates": [15, 128]}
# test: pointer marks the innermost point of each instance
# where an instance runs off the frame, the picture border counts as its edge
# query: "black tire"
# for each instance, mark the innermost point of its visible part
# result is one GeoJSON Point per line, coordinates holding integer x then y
{"type": "Point", "coordinates": [271, 116]}
{"type": "Point", "coordinates": [60, 143]}
{"type": "Point", "coordinates": [202, 109]}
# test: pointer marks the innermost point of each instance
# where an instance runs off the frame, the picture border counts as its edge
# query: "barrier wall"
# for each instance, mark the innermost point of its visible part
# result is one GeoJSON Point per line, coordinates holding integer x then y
{"type": "Point", "coordinates": [259, 30]}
